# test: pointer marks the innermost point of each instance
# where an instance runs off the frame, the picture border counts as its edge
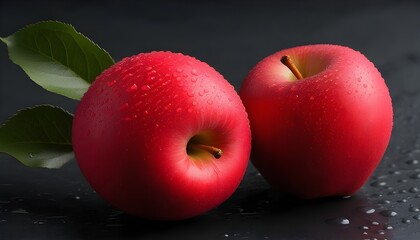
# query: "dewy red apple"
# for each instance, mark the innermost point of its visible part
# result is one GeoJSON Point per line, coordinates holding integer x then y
{"type": "Point", "coordinates": [323, 134]}
{"type": "Point", "coordinates": [162, 136]}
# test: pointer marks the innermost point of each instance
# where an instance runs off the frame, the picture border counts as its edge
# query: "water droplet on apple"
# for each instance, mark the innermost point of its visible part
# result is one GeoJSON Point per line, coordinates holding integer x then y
{"type": "Point", "coordinates": [190, 110]}
{"type": "Point", "coordinates": [359, 79]}
{"type": "Point", "coordinates": [179, 70]}
{"type": "Point", "coordinates": [365, 85]}
{"type": "Point", "coordinates": [145, 87]}
{"type": "Point", "coordinates": [111, 83]}
{"type": "Point", "coordinates": [194, 72]}
{"type": "Point", "coordinates": [145, 112]}
{"type": "Point", "coordinates": [194, 103]}
{"type": "Point", "coordinates": [152, 72]}
{"type": "Point", "coordinates": [194, 79]}
{"type": "Point", "coordinates": [388, 213]}
{"type": "Point", "coordinates": [338, 221]}
{"type": "Point", "coordinates": [124, 106]}
{"type": "Point", "coordinates": [312, 98]}
{"type": "Point", "coordinates": [178, 110]}
{"type": "Point", "coordinates": [132, 88]}
{"type": "Point", "coordinates": [201, 93]}
{"type": "Point", "coordinates": [210, 102]}
{"type": "Point", "coordinates": [148, 68]}
{"type": "Point", "coordinates": [151, 78]}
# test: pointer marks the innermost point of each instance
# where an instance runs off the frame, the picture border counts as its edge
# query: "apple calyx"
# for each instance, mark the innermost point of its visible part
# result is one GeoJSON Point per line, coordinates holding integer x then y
{"type": "Point", "coordinates": [216, 152]}
{"type": "Point", "coordinates": [287, 61]}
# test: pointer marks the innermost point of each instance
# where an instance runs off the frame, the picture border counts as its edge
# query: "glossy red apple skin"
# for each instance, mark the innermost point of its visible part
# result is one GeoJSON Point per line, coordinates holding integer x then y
{"type": "Point", "coordinates": [322, 135]}
{"type": "Point", "coordinates": [131, 129]}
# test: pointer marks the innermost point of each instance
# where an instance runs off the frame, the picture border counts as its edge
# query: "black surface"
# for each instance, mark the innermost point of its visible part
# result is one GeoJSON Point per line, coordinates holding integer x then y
{"type": "Point", "coordinates": [232, 37]}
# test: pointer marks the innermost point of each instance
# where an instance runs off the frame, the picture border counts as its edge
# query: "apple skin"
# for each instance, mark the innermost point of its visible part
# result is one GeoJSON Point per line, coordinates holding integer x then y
{"type": "Point", "coordinates": [322, 135]}
{"type": "Point", "coordinates": [132, 127]}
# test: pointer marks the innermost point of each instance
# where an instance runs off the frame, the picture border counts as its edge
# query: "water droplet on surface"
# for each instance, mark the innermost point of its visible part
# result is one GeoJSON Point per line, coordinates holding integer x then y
{"type": "Point", "coordinates": [394, 172]}
{"type": "Point", "coordinates": [388, 213]}
{"type": "Point", "coordinates": [39, 222]}
{"type": "Point", "coordinates": [20, 211]}
{"type": "Point", "coordinates": [148, 68]}
{"type": "Point", "coordinates": [209, 102]}
{"type": "Point", "coordinates": [312, 98]}
{"type": "Point", "coordinates": [194, 72]}
{"type": "Point", "coordinates": [194, 79]}
{"type": "Point", "coordinates": [179, 70]}
{"type": "Point", "coordinates": [414, 190]}
{"type": "Point", "coordinates": [145, 112]}
{"type": "Point", "coordinates": [178, 109]}
{"type": "Point", "coordinates": [378, 184]}
{"type": "Point", "coordinates": [384, 201]}
{"type": "Point", "coordinates": [190, 110]}
{"type": "Point", "coordinates": [412, 162]}
{"type": "Point", "coordinates": [415, 176]}
{"type": "Point", "coordinates": [417, 217]}
{"type": "Point", "coordinates": [413, 209]}
{"type": "Point", "coordinates": [367, 210]}
{"type": "Point", "coordinates": [388, 227]}
{"type": "Point", "coordinates": [31, 155]}
{"type": "Point", "coordinates": [374, 223]}
{"type": "Point", "coordinates": [404, 220]}
{"type": "Point", "coordinates": [364, 227]}
{"type": "Point", "coordinates": [338, 221]}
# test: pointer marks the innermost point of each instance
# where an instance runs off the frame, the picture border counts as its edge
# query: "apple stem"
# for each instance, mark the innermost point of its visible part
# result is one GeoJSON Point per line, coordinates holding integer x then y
{"type": "Point", "coordinates": [216, 152]}
{"type": "Point", "coordinates": [286, 60]}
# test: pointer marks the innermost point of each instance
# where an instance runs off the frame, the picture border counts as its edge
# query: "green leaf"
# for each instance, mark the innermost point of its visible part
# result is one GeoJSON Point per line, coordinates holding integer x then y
{"type": "Point", "coordinates": [38, 136]}
{"type": "Point", "coordinates": [57, 57]}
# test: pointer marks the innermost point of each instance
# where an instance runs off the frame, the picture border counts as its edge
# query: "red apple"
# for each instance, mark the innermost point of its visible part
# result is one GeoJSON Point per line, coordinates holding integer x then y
{"type": "Point", "coordinates": [323, 134]}
{"type": "Point", "coordinates": [162, 136]}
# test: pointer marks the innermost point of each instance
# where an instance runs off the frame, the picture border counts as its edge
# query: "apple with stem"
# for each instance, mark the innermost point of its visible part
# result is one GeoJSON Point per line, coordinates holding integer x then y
{"type": "Point", "coordinates": [162, 136]}
{"type": "Point", "coordinates": [321, 119]}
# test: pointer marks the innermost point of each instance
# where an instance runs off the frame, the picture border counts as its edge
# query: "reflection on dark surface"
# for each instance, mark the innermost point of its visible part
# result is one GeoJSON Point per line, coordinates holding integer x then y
{"type": "Point", "coordinates": [232, 37]}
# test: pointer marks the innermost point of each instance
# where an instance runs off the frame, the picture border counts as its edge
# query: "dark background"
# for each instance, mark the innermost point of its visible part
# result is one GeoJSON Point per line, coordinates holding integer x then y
{"type": "Point", "coordinates": [231, 36]}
